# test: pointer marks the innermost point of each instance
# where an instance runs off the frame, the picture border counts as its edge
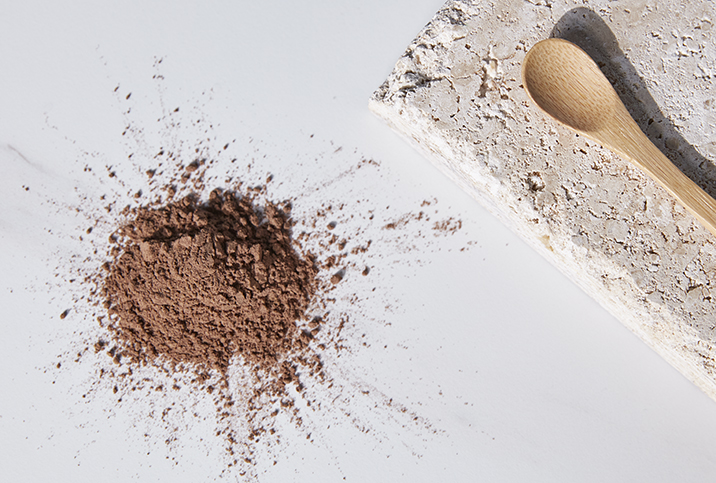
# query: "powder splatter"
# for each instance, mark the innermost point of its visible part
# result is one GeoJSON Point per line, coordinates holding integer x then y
{"type": "Point", "coordinates": [237, 305]}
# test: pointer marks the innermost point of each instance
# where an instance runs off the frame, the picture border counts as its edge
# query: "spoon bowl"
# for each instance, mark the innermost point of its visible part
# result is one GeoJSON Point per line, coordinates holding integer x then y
{"type": "Point", "coordinates": [563, 81]}
{"type": "Point", "coordinates": [589, 101]}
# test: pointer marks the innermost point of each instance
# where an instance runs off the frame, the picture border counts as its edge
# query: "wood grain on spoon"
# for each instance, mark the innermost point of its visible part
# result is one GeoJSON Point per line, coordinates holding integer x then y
{"type": "Point", "coordinates": [566, 84]}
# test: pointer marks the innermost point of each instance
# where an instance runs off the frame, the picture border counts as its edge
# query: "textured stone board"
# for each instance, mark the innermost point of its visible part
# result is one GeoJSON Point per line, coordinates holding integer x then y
{"type": "Point", "coordinates": [456, 95]}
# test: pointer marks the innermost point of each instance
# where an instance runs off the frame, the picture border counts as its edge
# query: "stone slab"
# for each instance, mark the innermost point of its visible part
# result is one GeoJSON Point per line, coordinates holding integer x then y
{"type": "Point", "coordinates": [456, 95]}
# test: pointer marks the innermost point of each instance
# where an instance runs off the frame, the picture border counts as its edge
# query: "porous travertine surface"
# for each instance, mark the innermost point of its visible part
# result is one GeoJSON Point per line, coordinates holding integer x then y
{"type": "Point", "coordinates": [456, 94]}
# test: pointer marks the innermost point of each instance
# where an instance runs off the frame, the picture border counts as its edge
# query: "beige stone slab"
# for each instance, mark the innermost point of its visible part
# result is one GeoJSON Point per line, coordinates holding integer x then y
{"type": "Point", "coordinates": [456, 95]}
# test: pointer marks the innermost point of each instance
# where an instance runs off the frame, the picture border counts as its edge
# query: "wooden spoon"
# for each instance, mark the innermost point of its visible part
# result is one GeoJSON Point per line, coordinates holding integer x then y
{"type": "Point", "coordinates": [566, 84]}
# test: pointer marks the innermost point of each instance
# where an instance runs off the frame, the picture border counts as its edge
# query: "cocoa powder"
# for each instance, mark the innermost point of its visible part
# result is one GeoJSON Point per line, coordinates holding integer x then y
{"type": "Point", "coordinates": [206, 300]}
{"type": "Point", "coordinates": [198, 284]}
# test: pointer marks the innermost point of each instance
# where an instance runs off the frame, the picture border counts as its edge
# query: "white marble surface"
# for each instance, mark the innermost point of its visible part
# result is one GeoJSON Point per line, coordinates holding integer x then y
{"type": "Point", "coordinates": [515, 373]}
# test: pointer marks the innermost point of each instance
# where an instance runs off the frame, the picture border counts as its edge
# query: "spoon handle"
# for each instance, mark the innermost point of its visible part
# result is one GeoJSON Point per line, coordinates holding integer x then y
{"type": "Point", "coordinates": [629, 141]}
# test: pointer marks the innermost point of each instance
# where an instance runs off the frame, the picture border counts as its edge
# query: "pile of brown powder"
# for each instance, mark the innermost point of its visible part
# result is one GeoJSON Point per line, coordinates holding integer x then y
{"type": "Point", "coordinates": [206, 304]}
{"type": "Point", "coordinates": [197, 284]}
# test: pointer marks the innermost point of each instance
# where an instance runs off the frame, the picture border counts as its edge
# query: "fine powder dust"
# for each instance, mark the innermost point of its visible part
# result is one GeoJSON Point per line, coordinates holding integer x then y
{"type": "Point", "coordinates": [231, 321]}
{"type": "Point", "coordinates": [196, 284]}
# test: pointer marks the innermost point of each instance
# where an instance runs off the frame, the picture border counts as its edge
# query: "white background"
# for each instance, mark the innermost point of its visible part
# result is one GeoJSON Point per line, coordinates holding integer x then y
{"type": "Point", "coordinates": [514, 373]}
